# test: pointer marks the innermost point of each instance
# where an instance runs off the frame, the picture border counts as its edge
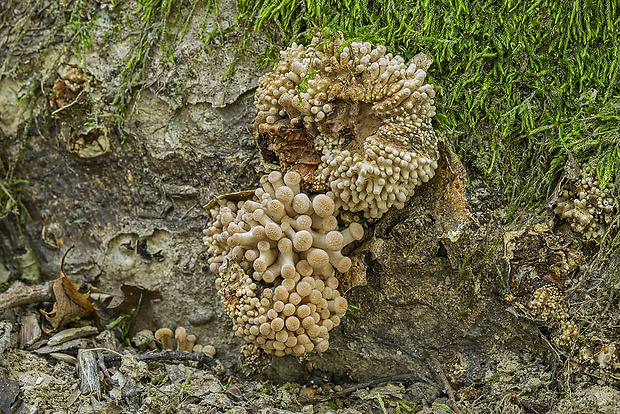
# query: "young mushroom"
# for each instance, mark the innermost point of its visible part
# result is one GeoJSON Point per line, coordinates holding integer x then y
{"type": "Point", "coordinates": [164, 335]}
{"type": "Point", "coordinates": [181, 336]}
{"type": "Point", "coordinates": [191, 341]}
{"type": "Point", "coordinates": [209, 350]}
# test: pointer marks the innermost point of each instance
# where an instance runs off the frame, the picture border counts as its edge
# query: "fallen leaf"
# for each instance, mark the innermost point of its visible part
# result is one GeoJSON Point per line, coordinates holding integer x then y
{"type": "Point", "coordinates": [8, 392]}
{"type": "Point", "coordinates": [130, 296]}
{"type": "Point", "coordinates": [135, 300]}
{"type": "Point", "coordinates": [70, 304]}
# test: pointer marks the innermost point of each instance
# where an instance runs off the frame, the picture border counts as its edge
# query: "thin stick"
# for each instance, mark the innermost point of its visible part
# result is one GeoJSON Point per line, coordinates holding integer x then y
{"type": "Point", "coordinates": [445, 382]}
{"type": "Point", "coordinates": [20, 294]}
{"type": "Point", "coordinates": [347, 391]}
{"type": "Point", "coordinates": [166, 356]}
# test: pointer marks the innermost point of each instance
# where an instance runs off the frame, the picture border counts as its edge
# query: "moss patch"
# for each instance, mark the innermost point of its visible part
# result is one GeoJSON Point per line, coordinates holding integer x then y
{"type": "Point", "coordinates": [520, 85]}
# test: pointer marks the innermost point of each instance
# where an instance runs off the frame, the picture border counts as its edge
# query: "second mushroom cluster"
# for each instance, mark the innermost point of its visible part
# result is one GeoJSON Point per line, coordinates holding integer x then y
{"type": "Point", "coordinates": [185, 342]}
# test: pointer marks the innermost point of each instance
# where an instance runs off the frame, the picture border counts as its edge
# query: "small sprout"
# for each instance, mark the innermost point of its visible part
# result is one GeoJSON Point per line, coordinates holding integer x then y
{"type": "Point", "coordinates": [209, 350]}
{"type": "Point", "coordinates": [191, 341]}
{"type": "Point", "coordinates": [158, 378]}
{"type": "Point", "coordinates": [382, 404]}
{"type": "Point", "coordinates": [352, 309]}
{"type": "Point", "coordinates": [181, 336]}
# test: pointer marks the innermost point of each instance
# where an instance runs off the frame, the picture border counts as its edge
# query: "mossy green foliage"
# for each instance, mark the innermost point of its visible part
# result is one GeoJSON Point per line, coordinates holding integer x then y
{"type": "Point", "coordinates": [520, 84]}
{"type": "Point", "coordinates": [10, 184]}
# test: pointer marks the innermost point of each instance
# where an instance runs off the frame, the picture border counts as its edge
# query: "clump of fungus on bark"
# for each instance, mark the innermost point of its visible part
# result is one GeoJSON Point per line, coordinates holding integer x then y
{"type": "Point", "coordinates": [349, 118]}
{"type": "Point", "coordinates": [349, 126]}
{"type": "Point", "coordinates": [276, 256]}
{"type": "Point", "coordinates": [587, 205]}
{"type": "Point", "coordinates": [539, 270]}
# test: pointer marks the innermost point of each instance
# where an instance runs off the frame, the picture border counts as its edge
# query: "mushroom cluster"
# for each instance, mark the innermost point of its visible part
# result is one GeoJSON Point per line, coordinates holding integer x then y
{"type": "Point", "coordinates": [185, 342]}
{"type": "Point", "coordinates": [276, 256]}
{"type": "Point", "coordinates": [350, 118]}
{"type": "Point", "coordinates": [539, 286]}
{"type": "Point", "coordinates": [547, 303]}
{"type": "Point", "coordinates": [602, 354]}
{"type": "Point", "coordinates": [587, 205]}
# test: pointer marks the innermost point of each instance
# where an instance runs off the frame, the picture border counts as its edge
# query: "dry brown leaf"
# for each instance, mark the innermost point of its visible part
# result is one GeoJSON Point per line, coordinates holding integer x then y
{"type": "Point", "coordinates": [138, 299]}
{"type": "Point", "coordinates": [70, 304]}
{"type": "Point", "coordinates": [130, 296]}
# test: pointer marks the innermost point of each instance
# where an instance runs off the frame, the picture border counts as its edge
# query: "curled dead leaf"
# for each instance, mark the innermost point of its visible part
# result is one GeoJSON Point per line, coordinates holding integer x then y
{"type": "Point", "coordinates": [135, 300]}
{"type": "Point", "coordinates": [70, 304]}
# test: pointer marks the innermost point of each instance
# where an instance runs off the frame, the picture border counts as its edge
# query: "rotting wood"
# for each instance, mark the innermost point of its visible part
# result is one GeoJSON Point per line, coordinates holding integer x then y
{"type": "Point", "coordinates": [180, 356]}
{"type": "Point", "coordinates": [72, 333]}
{"type": "Point", "coordinates": [373, 383]}
{"type": "Point", "coordinates": [20, 294]}
{"type": "Point", "coordinates": [30, 331]}
{"type": "Point", "coordinates": [87, 370]}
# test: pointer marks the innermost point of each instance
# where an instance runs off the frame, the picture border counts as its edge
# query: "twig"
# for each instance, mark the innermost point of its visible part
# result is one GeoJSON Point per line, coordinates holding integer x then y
{"type": "Point", "coordinates": [347, 391]}
{"type": "Point", "coordinates": [20, 294]}
{"type": "Point", "coordinates": [87, 370]}
{"type": "Point", "coordinates": [166, 356]}
{"type": "Point", "coordinates": [445, 382]}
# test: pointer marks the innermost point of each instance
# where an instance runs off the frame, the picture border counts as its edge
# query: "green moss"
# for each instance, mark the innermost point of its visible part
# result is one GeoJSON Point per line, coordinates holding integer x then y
{"type": "Point", "coordinates": [162, 24]}
{"type": "Point", "coordinates": [520, 84]}
{"type": "Point", "coordinates": [10, 183]}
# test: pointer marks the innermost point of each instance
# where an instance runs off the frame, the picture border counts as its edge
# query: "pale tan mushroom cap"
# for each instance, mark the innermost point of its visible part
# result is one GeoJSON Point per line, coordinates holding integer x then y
{"type": "Point", "coordinates": [164, 335]}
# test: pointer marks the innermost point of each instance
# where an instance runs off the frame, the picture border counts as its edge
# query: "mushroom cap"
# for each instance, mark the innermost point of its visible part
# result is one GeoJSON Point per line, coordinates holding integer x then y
{"type": "Point", "coordinates": [302, 240]}
{"type": "Point", "coordinates": [163, 332]}
{"type": "Point", "coordinates": [289, 309]}
{"type": "Point", "coordinates": [277, 324]}
{"type": "Point", "coordinates": [273, 231]}
{"type": "Point", "coordinates": [301, 203]}
{"type": "Point", "coordinates": [318, 258]}
{"type": "Point", "coordinates": [303, 311]}
{"type": "Point", "coordinates": [209, 350]}
{"type": "Point", "coordinates": [304, 289]}
{"type": "Point", "coordinates": [323, 205]}
{"type": "Point", "coordinates": [292, 323]}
